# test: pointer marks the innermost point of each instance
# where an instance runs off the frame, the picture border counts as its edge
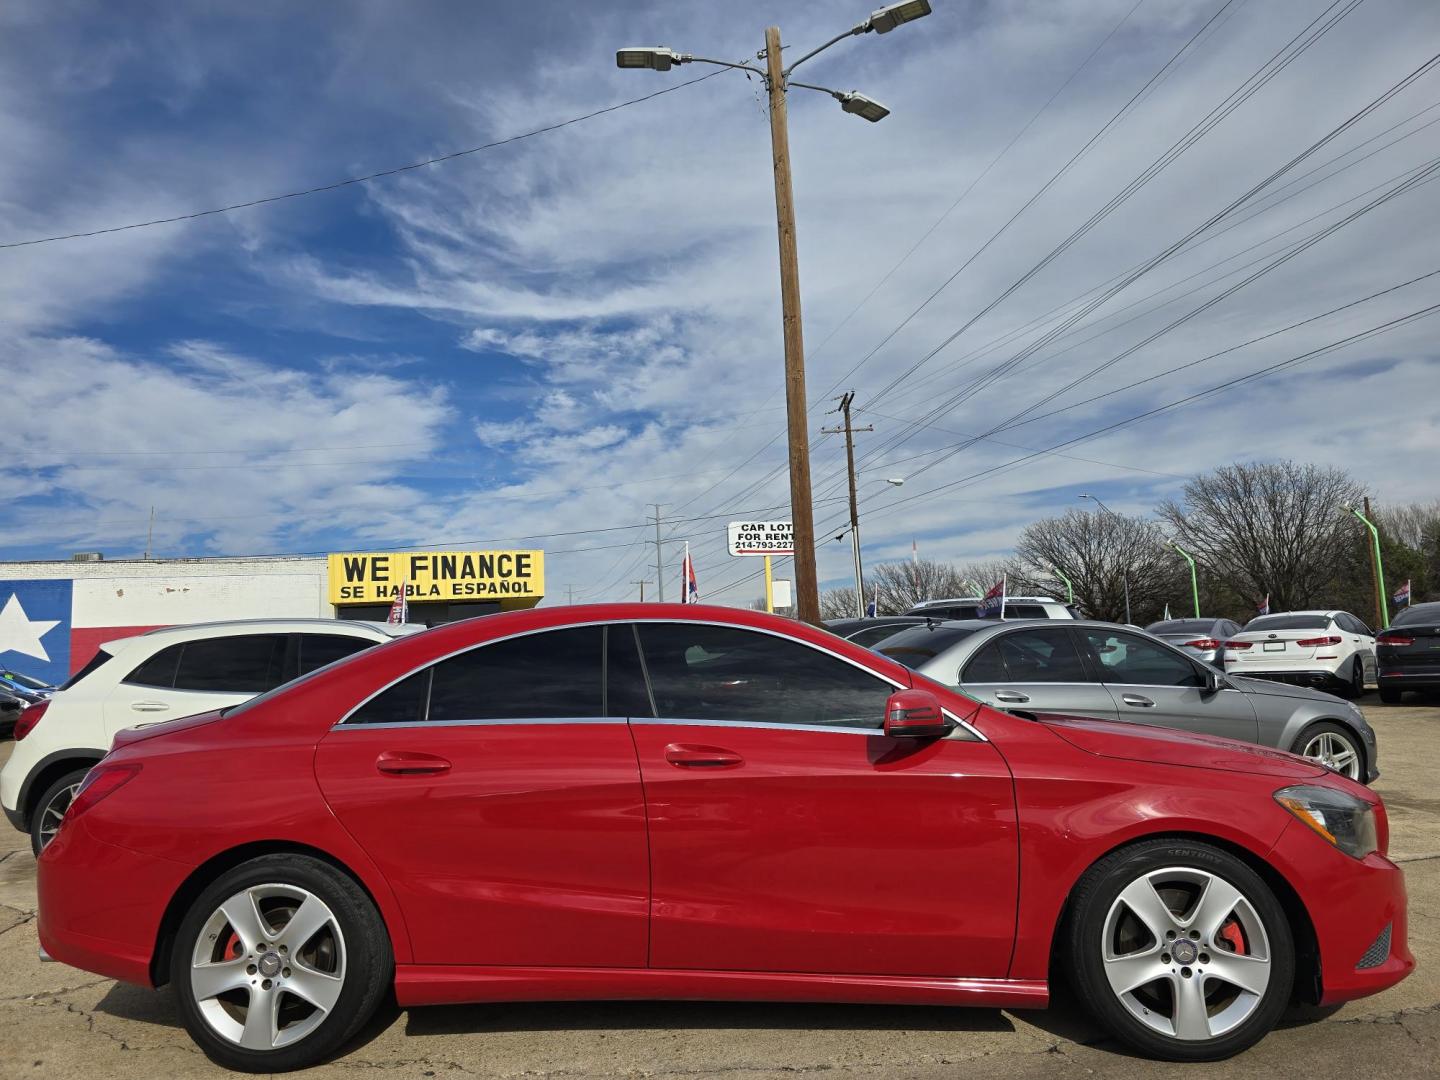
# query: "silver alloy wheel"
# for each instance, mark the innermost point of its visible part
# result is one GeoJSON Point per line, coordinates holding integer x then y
{"type": "Point", "coordinates": [53, 812]}
{"type": "Point", "coordinates": [1334, 751]}
{"type": "Point", "coordinates": [1186, 953]}
{"type": "Point", "coordinates": [268, 966]}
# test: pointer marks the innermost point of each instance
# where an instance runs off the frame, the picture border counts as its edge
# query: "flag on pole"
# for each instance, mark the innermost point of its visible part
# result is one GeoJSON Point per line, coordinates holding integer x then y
{"type": "Point", "coordinates": [1402, 595]}
{"type": "Point", "coordinates": [870, 609]}
{"type": "Point", "coordinates": [689, 592]}
{"type": "Point", "coordinates": [400, 606]}
{"type": "Point", "coordinates": [993, 602]}
{"type": "Point", "coordinates": [1167, 612]}
{"type": "Point", "coordinates": [1263, 608]}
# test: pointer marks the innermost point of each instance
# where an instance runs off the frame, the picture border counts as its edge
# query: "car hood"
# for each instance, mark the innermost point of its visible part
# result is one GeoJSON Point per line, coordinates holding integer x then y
{"type": "Point", "coordinates": [1271, 688]}
{"type": "Point", "coordinates": [1164, 746]}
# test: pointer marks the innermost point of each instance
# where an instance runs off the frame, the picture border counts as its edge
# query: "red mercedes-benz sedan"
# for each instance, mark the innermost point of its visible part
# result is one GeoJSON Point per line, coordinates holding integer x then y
{"type": "Point", "coordinates": [694, 802]}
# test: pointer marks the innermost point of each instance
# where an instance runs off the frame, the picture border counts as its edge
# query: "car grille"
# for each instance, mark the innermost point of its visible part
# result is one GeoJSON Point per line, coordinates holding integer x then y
{"type": "Point", "coordinates": [1378, 953]}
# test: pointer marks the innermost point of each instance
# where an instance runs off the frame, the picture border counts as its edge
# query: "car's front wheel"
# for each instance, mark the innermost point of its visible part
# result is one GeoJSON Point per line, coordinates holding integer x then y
{"type": "Point", "coordinates": [278, 963]}
{"type": "Point", "coordinates": [1335, 747]}
{"type": "Point", "coordinates": [1180, 950]}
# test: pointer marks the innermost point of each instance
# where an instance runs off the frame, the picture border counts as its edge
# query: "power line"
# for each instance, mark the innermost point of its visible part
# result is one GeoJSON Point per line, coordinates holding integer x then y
{"type": "Point", "coordinates": [365, 179]}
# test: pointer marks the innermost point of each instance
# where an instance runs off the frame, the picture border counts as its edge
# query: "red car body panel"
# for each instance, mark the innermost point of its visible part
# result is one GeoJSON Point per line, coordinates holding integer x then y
{"type": "Point", "coordinates": [577, 860]}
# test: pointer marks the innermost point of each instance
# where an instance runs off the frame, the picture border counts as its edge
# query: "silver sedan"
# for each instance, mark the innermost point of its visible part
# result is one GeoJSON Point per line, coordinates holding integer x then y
{"type": "Point", "coordinates": [1100, 670]}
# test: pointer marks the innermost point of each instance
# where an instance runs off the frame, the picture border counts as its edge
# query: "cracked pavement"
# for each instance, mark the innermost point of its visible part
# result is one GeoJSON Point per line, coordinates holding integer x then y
{"type": "Point", "coordinates": [59, 1022]}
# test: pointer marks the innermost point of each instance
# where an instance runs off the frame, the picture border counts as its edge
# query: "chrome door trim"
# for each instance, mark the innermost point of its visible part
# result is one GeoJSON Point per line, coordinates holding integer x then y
{"type": "Point", "coordinates": [516, 722]}
{"type": "Point", "coordinates": [771, 725]}
{"type": "Point", "coordinates": [609, 622]}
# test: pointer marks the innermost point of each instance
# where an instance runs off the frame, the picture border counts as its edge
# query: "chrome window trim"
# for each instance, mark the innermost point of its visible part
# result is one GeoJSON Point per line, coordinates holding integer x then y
{"type": "Point", "coordinates": [609, 622]}
{"type": "Point", "coordinates": [517, 722]}
{"type": "Point", "coordinates": [764, 725]}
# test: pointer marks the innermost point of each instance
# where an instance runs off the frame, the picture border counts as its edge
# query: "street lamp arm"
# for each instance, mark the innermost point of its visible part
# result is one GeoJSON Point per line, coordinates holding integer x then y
{"type": "Point", "coordinates": [858, 28]}
{"type": "Point", "coordinates": [838, 95]}
{"type": "Point", "coordinates": [687, 58]}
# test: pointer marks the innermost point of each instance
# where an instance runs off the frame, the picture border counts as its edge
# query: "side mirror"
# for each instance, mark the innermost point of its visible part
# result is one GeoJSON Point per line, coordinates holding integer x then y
{"type": "Point", "coordinates": [914, 714]}
{"type": "Point", "coordinates": [1213, 681]}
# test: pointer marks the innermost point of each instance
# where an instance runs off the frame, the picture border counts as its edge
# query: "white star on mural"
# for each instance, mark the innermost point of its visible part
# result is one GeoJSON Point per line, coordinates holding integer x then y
{"type": "Point", "coordinates": [22, 634]}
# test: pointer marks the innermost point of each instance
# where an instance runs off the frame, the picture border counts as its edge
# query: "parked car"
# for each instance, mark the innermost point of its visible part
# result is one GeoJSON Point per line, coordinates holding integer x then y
{"type": "Point", "coordinates": [1095, 669]}
{"type": "Point", "coordinates": [176, 671]}
{"type": "Point", "coordinates": [871, 631]}
{"type": "Point", "coordinates": [1016, 607]}
{"type": "Point", "coordinates": [1330, 649]}
{"type": "Point", "coordinates": [1202, 638]}
{"type": "Point", "coordinates": [1408, 653]}
{"type": "Point", "coordinates": [647, 801]}
{"type": "Point", "coordinates": [10, 709]}
{"type": "Point", "coordinates": [26, 687]}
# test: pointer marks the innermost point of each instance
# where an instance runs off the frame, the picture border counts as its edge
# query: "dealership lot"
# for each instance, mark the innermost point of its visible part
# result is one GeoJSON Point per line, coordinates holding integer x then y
{"type": "Point", "coordinates": [62, 1022]}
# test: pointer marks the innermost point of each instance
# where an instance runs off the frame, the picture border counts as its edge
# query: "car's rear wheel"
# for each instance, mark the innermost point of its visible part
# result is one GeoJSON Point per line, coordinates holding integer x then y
{"type": "Point", "coordinates": [1335, 747]}
{"type": "Point", "coordinates": [1180, 950]}
{"type": "Point", "coordinates": [278, 963]}
{"type": "Point", "coordinates": [1355, 686]}
{"type": "Point", "coordinates": [50, 809]}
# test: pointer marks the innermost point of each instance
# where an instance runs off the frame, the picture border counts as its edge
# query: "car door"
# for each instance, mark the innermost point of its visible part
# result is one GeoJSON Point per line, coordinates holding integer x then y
{"type": "Point", "coordinates": [788, 833]}
{"type": "Point", "coordinates": [1151, 683]}
{"type": "Point", "coordinates": [1035, 669]}
{"type": "Point", "coordinates": [502, 804]}
{"type": "Point", "coordinates": [197, 676]}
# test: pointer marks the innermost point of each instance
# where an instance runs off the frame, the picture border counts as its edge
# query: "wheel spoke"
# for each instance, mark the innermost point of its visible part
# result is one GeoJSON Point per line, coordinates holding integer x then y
{"type": "Point", "coordinates": [210, 980]}
{"type": "Point", "coordinates": [1248, 973]}
{"type": "Point", "coordinates": [245, 919]}
{"type": "Point", "coordinates": [1127, 973]}
{"type": "Point", "coordinates": [1145, 903]}
{"type": "Point", "coordinates": [261, 1020]}
{"type": "Point", "coordinates": [1214, 907]}
{"type": "Point", "coordinates": [309, 917]}
{"type": "Point", "coordinates": [316, 987]}
{"type": "Point", "coordinates": [1192, 1017]}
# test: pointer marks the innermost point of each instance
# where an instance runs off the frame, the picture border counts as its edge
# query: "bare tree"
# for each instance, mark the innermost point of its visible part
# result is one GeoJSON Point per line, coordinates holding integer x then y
{"type": "Point", "coordinates": [897, 587]}
{"type": "Point", "coordinates": [837, 603]}
{"type": "Point", "coordinates": [1277, 529]}
{"type": "Point", "coordinates": [1098, 552]}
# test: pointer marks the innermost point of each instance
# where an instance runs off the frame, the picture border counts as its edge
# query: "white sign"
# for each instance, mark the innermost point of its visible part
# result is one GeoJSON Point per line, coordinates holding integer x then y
{"type": "Point", "coordinates": [781, 595]}
{"type": "Point", "coordinates": [761, 538]}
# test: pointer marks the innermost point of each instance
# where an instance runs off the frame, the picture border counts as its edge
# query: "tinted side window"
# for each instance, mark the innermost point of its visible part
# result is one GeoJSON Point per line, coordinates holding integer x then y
{"type": "Point", "coordinates": [317, 650]}
{"type": "Point", "coordinates": [1127, 659]}
{"type": "Point", "coordinates": [625, 691]}
{"type": "Point", "coordinates": [158, 671]}
{"type": "Point", "coordinates": [986, 666]}
{"type": "Point", "coordinates": [242, 664]}
{"type": "Point", "coordinates": [1047, 655]}
{"type": "Point", "coordinates": [1361, 628]}
{"type": "Point", "coordinates": [1025, 611]}
{"type": "Point", "coordinates": [551, 674]}
{"type": "Point", "coordinates": [403, 703]}
{"type": "Point", "coordinates": [723, 673]}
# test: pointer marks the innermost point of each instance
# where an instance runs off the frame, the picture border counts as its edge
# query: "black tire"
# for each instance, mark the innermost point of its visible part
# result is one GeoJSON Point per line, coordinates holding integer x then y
{"type": "Point", "coordinates": [1083, 943]}
{"type": "Point", "coordinates": [51, 807]}
{"type": "Point", "coordinates": [1355, 687]}
{"type": "Point", "coordinates": [368, 962]}
{"type": "Point", "coordinates": [1390, 695]}
{"type": "Point", "coordinates": [1339, 731]}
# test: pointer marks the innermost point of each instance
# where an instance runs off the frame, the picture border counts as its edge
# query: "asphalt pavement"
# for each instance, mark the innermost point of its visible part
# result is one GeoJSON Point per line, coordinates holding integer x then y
{"type": "Point", "coordinates": [59, 1022]}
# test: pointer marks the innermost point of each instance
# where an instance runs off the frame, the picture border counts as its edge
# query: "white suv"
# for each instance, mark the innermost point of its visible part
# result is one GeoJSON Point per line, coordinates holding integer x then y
{"type": "Point", "coordinates": [1332, 650]}
{"type": "Point", "coordinates": [1016, 607]}
{"type": "Point", "coordinates": [162, 675]}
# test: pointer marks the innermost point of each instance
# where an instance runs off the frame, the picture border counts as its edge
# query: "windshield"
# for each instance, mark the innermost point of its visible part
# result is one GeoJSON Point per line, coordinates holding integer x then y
{"type": "Point", "coordinates": [1288, 622]}
{"type": "Point", "coordinates": [1182, 626]}
{"type": "Point", "coordinates": [920, 644]}
{"type": "Point", "coordinates": [26, 681]}
{"type": "Point", "coordinates": [1420, 613]}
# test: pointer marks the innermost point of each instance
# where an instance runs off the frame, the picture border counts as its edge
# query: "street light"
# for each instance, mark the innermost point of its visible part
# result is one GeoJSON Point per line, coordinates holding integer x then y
{"type": "Point", "coordinates": [1382, 607]}
{"type": "Point", "coordinates": [777, 81]}
{"type": "Point", "coordinates": [1126, 573]}
{"type": "Point", "coordinates": [1194, 578]}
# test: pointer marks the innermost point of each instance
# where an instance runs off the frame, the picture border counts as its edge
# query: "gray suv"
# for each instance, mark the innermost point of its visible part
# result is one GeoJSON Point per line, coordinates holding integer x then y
{"type": "Point", "coordinates": [1100, 670]}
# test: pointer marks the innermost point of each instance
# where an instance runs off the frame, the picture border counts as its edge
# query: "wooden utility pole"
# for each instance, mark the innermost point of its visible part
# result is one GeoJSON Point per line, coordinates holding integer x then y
{"type": "Point", "coordinates": [849, 431]}
{"type": "Point", "coordinates": [1380, 612]}
{"type": "Point", "coordinates": [642, 585]}
{"type": "Point", "coordinates": [802, 512]}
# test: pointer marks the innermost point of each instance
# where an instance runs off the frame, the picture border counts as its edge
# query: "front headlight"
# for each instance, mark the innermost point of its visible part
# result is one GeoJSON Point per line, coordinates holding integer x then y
{"type": "Point", "coordinates": [1341, 818]}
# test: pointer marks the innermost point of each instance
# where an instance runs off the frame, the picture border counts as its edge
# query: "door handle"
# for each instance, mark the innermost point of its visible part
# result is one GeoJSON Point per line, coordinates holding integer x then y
{"type": "Point", "coordinates": [1013, 696]}
{"type": "Point", "coordinates": [691, 756]}
{"type": "Point", "coordinates": [409, 763]}
{"type": "Point", "coordinates": [1138, 701]}
{"type": "Point", "coordinates": [149, 706]}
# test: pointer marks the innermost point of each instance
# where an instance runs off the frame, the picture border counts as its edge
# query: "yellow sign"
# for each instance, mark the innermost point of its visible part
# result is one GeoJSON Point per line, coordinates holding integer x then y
{"type": "Point", "coordinates": [375, 577]}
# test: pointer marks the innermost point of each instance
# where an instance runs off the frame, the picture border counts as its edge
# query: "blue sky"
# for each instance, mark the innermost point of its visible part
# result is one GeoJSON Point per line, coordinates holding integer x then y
{"type": "Point", "coordinates": [541, 339]}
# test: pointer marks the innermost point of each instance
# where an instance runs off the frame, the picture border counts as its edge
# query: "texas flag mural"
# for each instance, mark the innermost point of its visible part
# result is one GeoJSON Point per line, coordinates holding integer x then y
{"type": "Point", "coordinates": [48, 631]}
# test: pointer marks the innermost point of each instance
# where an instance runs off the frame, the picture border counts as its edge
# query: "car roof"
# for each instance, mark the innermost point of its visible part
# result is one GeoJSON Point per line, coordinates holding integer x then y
{"type": "Point", "coordinates": [976, 599]}
{"type": "Point", "coordinates": [300, 625]}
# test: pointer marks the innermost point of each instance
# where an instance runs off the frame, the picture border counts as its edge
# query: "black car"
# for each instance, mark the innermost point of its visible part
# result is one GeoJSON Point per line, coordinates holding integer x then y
{"type": "Point", "coordinates": [10, 707]}
{"type": "Point", "coordinates": [870, 631]}
{"type": "Point", "coordinates": [1407, 654]}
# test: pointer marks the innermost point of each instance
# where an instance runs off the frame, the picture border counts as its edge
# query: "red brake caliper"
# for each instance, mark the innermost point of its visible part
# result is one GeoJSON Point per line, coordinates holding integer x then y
{"type": "Point", "coordinates": [1233, 937]}
{"type": "Point", "coordinates": [233, 948]}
